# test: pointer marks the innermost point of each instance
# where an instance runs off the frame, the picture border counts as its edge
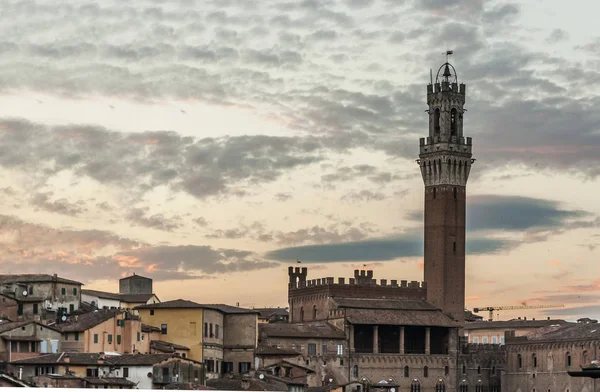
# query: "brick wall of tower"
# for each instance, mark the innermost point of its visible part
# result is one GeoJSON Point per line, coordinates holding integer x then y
{"type": "Point", "coordinates": [444, 258]}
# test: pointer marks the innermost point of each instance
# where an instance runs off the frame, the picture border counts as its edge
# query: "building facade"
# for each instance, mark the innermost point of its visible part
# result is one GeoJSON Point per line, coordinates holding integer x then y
{"type": "Point", "coordinates": [541, 360]}
{"type": "Point", "coordinates": [38, 297]}
{"type": "Point", "coordinates": [492, 332]}
{"type": "Point", "coordinates": [223, 337]}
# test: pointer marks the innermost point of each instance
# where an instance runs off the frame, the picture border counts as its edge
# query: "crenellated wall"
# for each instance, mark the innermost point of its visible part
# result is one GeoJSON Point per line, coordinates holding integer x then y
{"type": "Point", "coordinates": [306, 295]}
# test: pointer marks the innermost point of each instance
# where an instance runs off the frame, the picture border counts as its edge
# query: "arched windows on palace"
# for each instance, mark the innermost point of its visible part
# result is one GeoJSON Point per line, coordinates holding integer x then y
{"type": "Point", "coordinates": [415, 386]}
{"type": "Point", "coordinates": [440, 386]}
{"type": "Point", "coordinates": [314, 312]}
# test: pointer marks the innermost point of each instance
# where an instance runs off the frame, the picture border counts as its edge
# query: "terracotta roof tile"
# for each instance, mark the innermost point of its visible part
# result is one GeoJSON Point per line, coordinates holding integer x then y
{"type": "Point", "coordinates": [83, 322]}
{"type": "Point", "coordinates": [166, 347]}
{"type": "Point", "coordinates": [566, 331]}
{"type": "Point", "coordinates": [368, 303]}
{"type": "Point", "coordinates": [316, 330]}
{"type": "Point", "coordinates": [400, 317]}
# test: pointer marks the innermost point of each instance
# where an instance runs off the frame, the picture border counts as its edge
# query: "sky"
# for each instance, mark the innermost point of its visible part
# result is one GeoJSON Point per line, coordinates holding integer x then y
{"type": "Point", "coordinates": [211, 144]}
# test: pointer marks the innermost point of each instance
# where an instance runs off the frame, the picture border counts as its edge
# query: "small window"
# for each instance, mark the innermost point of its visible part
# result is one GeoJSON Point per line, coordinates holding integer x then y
{"type": "Point", "coordinates": [30, 290]}
{"type": "Point", "coordinates": [568, 359]}
{"type": "Point", "coordinates": [434, 193]}
{"type": "Point", "coordinates": [478, 369]}
{"type": "Point", "coordinates": [406, 371]}
{"type": "Point", "coordinates": [464, 369]}
{"type": "Point", "coordinates": [534, 360]}
{"type": "Point", "coordinates": [340, 349]}
{"type": "Point", "coordinates": [118, 339]}
{"type": "Point", "coordinates": [35, 309]}
{"type": "Point", "coordinates": [125, 372]}
{"type": "Point", "coordinates": [312, 349]}
{"type": "Point", "coordinates": [301, 314]}
{"type": "Point", "coordinates": [355, 371]}
{"type": "Point", "coordinates": [425, 371]}
{"type": "Point", "coordinates": [494, 339]}
{"type": "Point", "coordinates": [314, 312]}
{"type": "Point", "coordinates": [454, 192]}
{"type": "Point", "coordinates": [519, 361]}
{"type": "Point", "coordinates": [19, 309]}
{"type": "Point", "coordinates": [63, 291]}
{"type": "Point", "coordinates": [446, 370]}
{"type": "Point", "coordinates": [501, 339]}
{"type": "Point", "coordinates": [71, 308]}
{"type": "Point", "coordinates": [76, 336]}
{"type": "Point", "coordinates": [138, 336]}
{"type": "Point", "coordinates": [74, 290]}
{"type": "Point", "coordinates": [476, 339]}
{"type": "Point", "coordinates": [109, 338]}
{"type": "Point", "coordinates": [151, 312]}
{"type": "Point", "coordinates": [216, 331]}
{"type": "Point", "coordinates": [95, 338]}
{"type": "Point", "coordinates": [484, 340]}
{"type": "Point", "coordinates": [163, 329]}
{"type": "Point", "coordinates": [210, 327]}
{"type": "Point", "coordinates": [454, 247]}
{"type": "Point", "coordinates": [323, 349]}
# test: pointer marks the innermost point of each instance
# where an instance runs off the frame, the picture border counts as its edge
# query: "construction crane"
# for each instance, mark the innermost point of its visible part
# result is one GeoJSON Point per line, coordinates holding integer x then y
{"type": "Point", "coordinates": [491, 309]}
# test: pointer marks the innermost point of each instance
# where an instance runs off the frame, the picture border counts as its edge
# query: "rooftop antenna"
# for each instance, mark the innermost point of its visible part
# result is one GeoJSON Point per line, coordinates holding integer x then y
{"type": "Point", "coordinates": [430, 76]}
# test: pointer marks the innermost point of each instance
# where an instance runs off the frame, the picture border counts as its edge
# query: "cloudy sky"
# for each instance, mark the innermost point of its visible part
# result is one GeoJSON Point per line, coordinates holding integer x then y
{"type": "Point", "coordinates": [210, 144]}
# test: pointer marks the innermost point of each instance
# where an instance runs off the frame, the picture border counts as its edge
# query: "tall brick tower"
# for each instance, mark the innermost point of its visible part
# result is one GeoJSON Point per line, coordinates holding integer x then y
{"type": "Point", "coordinates": [445, 161]}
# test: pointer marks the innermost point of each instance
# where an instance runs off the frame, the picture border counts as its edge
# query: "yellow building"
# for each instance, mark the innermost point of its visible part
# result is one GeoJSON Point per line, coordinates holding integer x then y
{"type": "Point", "coordinates": [223, 337]}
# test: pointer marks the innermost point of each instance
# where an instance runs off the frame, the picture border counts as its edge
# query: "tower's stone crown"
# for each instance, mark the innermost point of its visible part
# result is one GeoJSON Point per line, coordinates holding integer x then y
{"type": "Point", "coordinates": [445, 155]}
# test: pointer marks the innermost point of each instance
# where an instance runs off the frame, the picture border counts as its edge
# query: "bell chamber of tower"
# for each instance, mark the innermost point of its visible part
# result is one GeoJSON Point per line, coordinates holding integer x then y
{"type": "Point", "coordinates": [445, 162]}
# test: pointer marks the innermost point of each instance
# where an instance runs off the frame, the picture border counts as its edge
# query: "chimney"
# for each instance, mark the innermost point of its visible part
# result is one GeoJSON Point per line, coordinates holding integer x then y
{"type": "Point", "coordinates": [548, 318]}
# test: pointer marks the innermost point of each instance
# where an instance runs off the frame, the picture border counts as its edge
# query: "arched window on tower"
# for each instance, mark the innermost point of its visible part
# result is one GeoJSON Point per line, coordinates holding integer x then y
{"type": "Point", "coordinates": [464, 387]}
{"type": "Point", "coordinates": [314, 312]}
{"type": "Point", "coordinates": [446, 370]}
{"type": "Point", "coordinates": [453, 122]}
{"type": "Point", "coordinates": [301, 314]}
{"type": "Point", "coordinates": [568, 359]}
{"type": "Point", "coordinates": [406, 371]}
{"type": "Point", "coordinates": [425, 371]}
{"type": "Point", "coordinates": [479, 387]}
{"type": "Point", "coordinates": [519, 361]}
{"type": "Point", "coordinates": [436, 121]}
{"type": "Point", "coordinates": [534, 360]}
{"type": "Point", "coordinates": [355, 371]}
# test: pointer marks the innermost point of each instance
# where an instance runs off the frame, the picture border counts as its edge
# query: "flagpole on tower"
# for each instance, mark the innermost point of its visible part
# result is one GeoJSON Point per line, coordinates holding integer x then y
{"type": "Point", "coordinates": [448, 53]}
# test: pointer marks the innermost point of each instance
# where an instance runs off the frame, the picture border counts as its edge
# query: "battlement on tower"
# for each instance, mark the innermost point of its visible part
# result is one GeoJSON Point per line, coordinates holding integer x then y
{"type": "Point", "coordinates": [362, 284]}
{"type": "Point", "coordinates": [446, 87]}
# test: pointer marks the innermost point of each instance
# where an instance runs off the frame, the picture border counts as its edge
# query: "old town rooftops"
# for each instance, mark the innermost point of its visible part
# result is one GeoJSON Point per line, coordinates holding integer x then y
{"type": "Point", "coordinates": [314, 330]}
{"type": "Point", "coordinates": [35, 278]}
{"type": "Point", "coordinates": [186, 304]}
{"type": "Point", "coordinates": [515, 323]}
{"type": "Point", "coordinates": [96, 358]}
{"type": "Point", "coordinates": [9, 326]}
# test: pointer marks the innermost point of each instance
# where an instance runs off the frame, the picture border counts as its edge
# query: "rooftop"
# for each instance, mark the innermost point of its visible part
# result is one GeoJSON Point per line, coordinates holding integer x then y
{"type": "Point", "coordinates": [135, 276]}
{"type": "Point", "coordinates": [35, 278]}
{"type": "Point", "coordinates": [267, 312]}
{"type": "Point", "coordinates": [9, 326]}
{"type": "Point", "coordinates": [566, 331]}
{"type": "Point", "coordinates": [389, 304]}
{"type": "Point", "coordinates": [83, 322]}
{"type": "Point", "coordinates": [315, 330]}
{"type": "Point", "coordinates": [186, 304]}
{"type": "Point", "coordinates": [166, 347]}
{"type": "Point", "coordinates": [134, 298]}
{"type": "Point", "coordinates": [94, 358]}
{"type": "Point", "coordinates": [515, 323]}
